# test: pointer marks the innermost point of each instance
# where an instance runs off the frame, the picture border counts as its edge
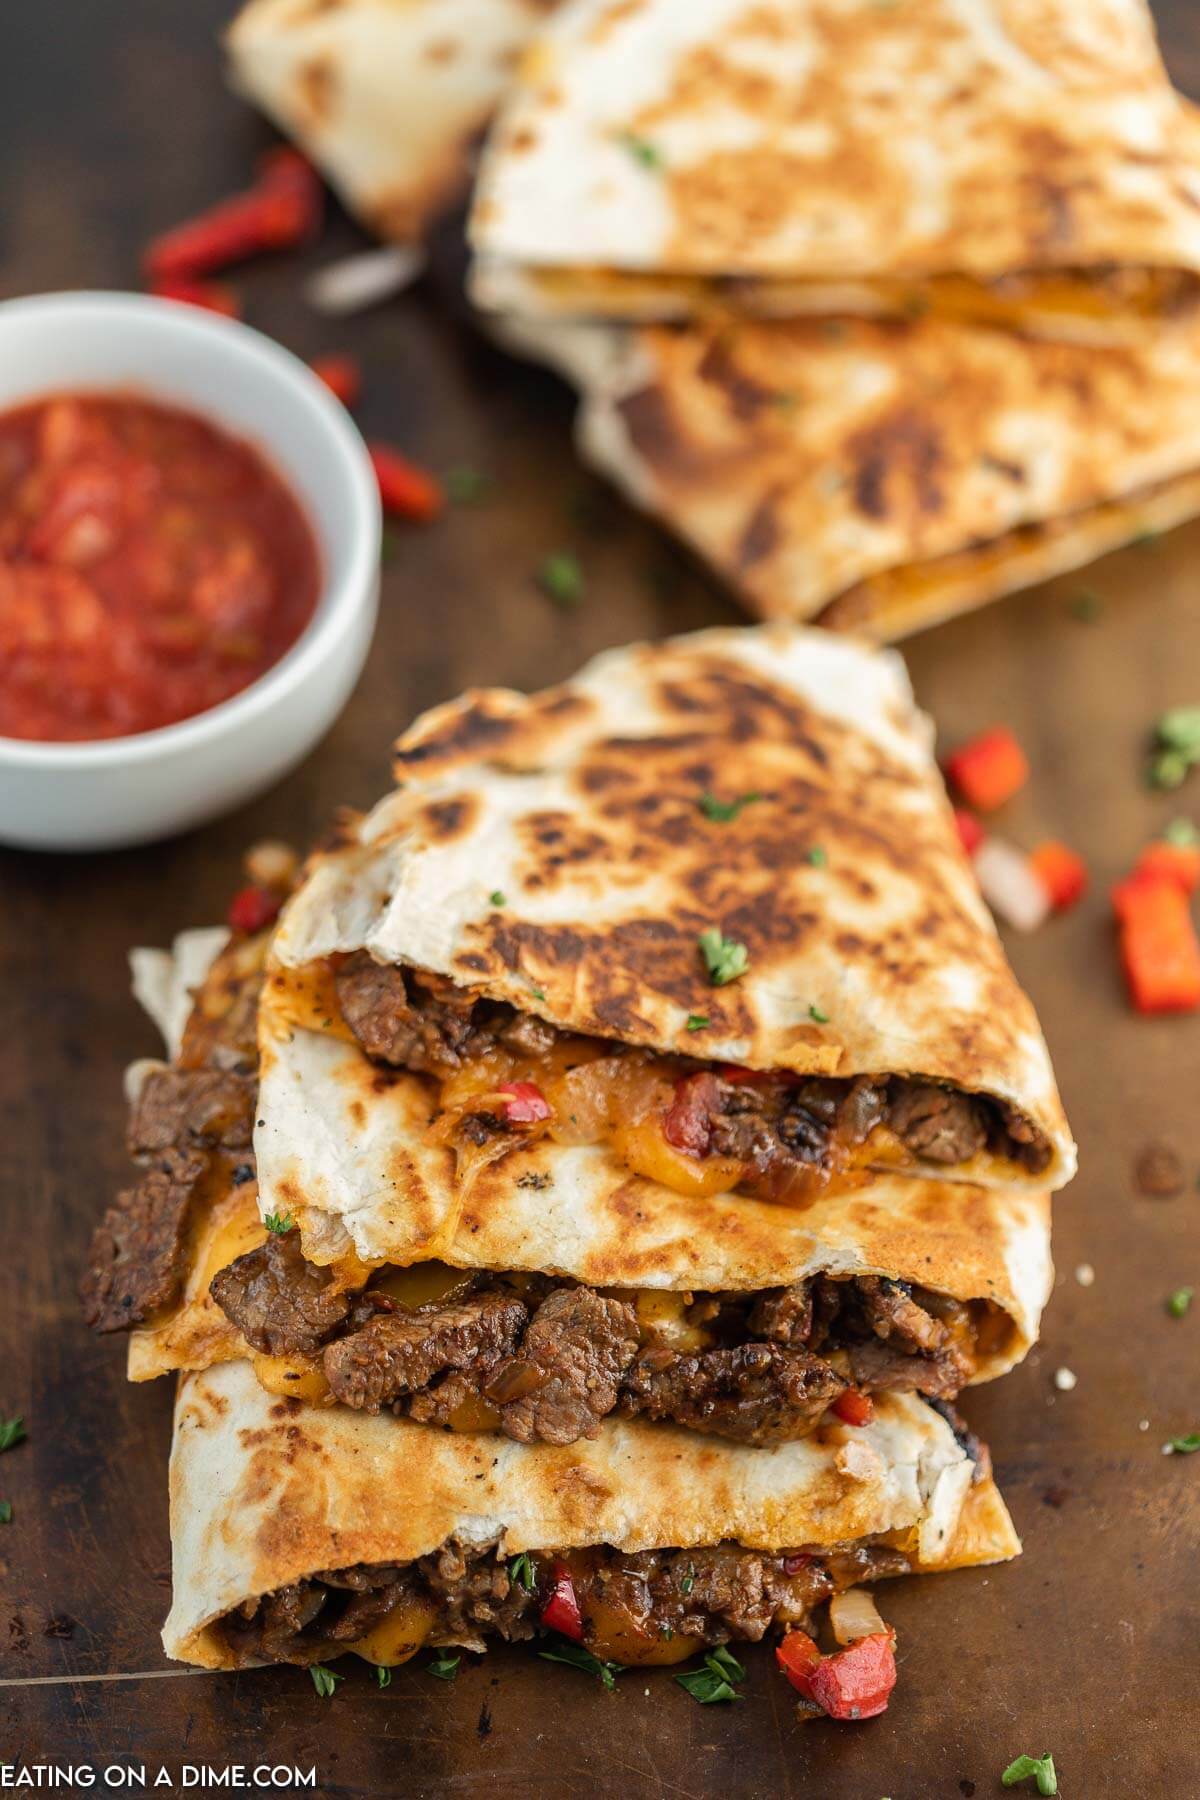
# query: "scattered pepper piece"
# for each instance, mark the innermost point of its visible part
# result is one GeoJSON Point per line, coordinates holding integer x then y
{"type": "Point", "coordinates": [1165, 860]}
{"type": "Point", "coordinates": [1062, 872]}
{"type": "Point", "coordinates": [970, 832]}
{"type": "Point", "coordinates": [853, 1683]}
{"type": "Point", "coordinates": [281, 210]}
{"type": "Point", "coordinates": [407, 492]}
{"type": "Point", "coordinates": [853, 1407]}
{"type": "Point", "coordinates": [1160, 952]}
{"type": "Point", "coordinates": [209, 296]}
{"type": "Point", "coordinates": [341, 374]}
{"type": "Point", "coordinates": [560, 1611]}
{"type": "Point", "coordinates": [252, 909]}
{"type": "Point", "coordinates": [989, 770]}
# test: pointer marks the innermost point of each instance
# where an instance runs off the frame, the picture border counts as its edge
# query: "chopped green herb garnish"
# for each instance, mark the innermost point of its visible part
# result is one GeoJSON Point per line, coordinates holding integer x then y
{"type": "Point", "coordinates": [383, 1675]}
{"type": "Point", "coordinates": [689, 1580]}
{"type": "Point", "coordinates": [536, 992]}
{"type": "Point", "coordinates": [561, 578]}
{"type": "Point", "coordinates": [1183, 1446]}
{"type": "Point", "coordinates": [279, 1223]}
{"type": "Point", "coordinates": [5, 1512]}
{"type": "Point", "coordinates": [722, 811]}
{"type": "Point", "coordinates": [443, 1668]}
{"type": "Point", "coordinates": [324, 1680]}
{"type": "Point", "coordinates": [818, 857]}
{"type": "Point", "coordinates": [465, 485]}
{"type": "Point", "coordinates": [1176, 746]}
{"type": "Point", "coordinates": [1040, 1767]}
{"type": "Point", "coordinates": [520, 1572]}
{"type": "Point", "coordinates": [724, 958]}
{"type": "Point", "coordinates": [715, 1680]}
{"type": "Point", "coordinates": [1183, 833]}
{"type": "Point", "coordinates": [1086, 606]}
{"type": "Point", "coordinates": [576, 1657]}
{"type": "Point", "coordinates": [817, 1016]}
{"type": "Point", "coordinates": [641, 149]}
{"type": "Point", "coordinates": [12, 1431]}
{"type": "Point", "coordinates": [1179, 1302]}
{"type": "Point", "coordinates": [497, 898]}
{"type": "Point", "coordinates": [697, 1021]}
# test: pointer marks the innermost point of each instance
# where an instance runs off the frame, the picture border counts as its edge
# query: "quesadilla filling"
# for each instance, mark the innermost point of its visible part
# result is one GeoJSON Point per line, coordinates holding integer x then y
{"type": "Point", "coordinates": [652, 1606]}
{"type": "Point", "coordinates": [508, 1077]}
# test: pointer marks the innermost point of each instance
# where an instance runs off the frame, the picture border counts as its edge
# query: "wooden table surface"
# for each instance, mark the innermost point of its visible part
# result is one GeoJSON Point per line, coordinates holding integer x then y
{"type": "Point", "coordinates": [116, 123]}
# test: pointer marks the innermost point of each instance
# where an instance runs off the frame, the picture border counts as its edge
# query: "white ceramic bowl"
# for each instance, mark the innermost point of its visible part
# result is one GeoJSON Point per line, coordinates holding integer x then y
{"type": "Point", "coordinates": [90, 796]}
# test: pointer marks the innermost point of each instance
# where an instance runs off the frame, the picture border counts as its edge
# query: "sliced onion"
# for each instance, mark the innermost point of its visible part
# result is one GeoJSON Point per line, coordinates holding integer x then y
{"type": "Point", "coordinates": [853, 1615]}
{"type": "Point", "coordinates": [356, 282]}
{"type": "Point", "coordinates": [1010, 886]}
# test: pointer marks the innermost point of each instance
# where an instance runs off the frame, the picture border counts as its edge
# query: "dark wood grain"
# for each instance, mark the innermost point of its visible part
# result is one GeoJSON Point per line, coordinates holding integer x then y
{"type": "Point", "coordinates": [115, 123]}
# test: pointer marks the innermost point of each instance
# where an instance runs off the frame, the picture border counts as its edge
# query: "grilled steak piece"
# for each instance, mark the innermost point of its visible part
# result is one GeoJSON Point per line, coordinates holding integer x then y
{"type": "Point", "coordinates": [366, 1608]}
{"type": "Point", "coordinates": [940, 1373]}
{"type": "Point", "coordinates": [209, 1107]}
{"type": "Point", "coordinates": [280, 1303]}
{"type": "Point", "coordinates": [476, 1593]}
{"type": "Point", "coordinates": [137, 1259]}
{"type": "Point", "coordinates": [935, 1122]}
{"type": "Point", "coordinates": [892, 1314]}
{"type": "Point", "coordinates": [403, 1352]}
{"type": "Point", "coordinates": [783, 1315]}
{"type": "Point", "coordinates": [755, 1393]}
{"type": "Point", "coordinates": [565, 1376]}
{"type": "Point", "coordinates": [416, 1023]}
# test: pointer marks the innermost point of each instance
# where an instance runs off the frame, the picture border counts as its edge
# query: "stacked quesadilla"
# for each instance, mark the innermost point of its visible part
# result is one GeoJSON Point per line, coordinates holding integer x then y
{"type": "Point", "coordinates": [887, 309]}
{"type": "Point", "coordinates": [641, 1142]}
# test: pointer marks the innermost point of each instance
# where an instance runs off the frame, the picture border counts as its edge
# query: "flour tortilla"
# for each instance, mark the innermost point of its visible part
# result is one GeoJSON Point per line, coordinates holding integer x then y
{"type": "Point", "coordinates": [580, 806]}
{"type": "Point", "coordinates": [265, 1492]}
{"type": "Point", "coordinates": [387, 97]}
{"type": "Point", "coordinates": [887, 476]}
{"type": "Point", "coordinates": [810, 156]}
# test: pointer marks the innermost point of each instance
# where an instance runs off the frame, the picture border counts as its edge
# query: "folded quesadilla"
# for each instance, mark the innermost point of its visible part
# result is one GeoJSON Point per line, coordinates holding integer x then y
{"type": "Point", "coordinates": [300, 1533]}
{"type": "Point", "coordinates": [883, 476]}
{"type": "Point", "coordinates": [1022, 162]}
{"type": "Point", "coordinates": [386, 96]}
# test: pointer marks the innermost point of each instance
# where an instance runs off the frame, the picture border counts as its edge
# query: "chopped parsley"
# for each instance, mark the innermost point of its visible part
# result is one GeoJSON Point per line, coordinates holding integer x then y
{"type": "Point", "coordinates": [279, 1223]}
{"type": "Point", "coordinates": [5, 1512]}
{"type": "Point", "coordinates": [689, 1580]}
{"type": "Point", "coordinates": [724, 958]}
{"type": "Point", "coordinates": [641, 150]}
{"type": "Point", "coordinates": [1183, 833]}
{"type": "Point", "coordinates": [1086, 606]}
{"type": "Point", "coordinates": [1176, 746]}
{"type": "Point", "coordinates": [1040, 1767]}
{"type": "Point", "coordinates": [715, 1681]}
{"type": "Point", "coordinates": [12, 1432]}
{"type": "Point", "coordinates": [1179, 1302]}
{"type": "Point", "coordinates": [464, 485]}
{"type": "Point", "coordinates": [817, 1016]}
{"type": "Point", "coordinates": [383, 1675]}
{"type": "Point", "coordinates": [561, 578]}
{"type": "Point", "coordinates": [722, 811]}
{"type": "Point", "coordinates": [497, 898]}
{"type": "Point", "coordinates": [324, 1680]}
{"type": "Point", "coordinates": [520, 1572]}
{"type": "Point", "coordinates": [697, 1021]}
{"type": "Point", "coordinates": [576, 1657]}
{"type": "Point", "coordinates": [818, 857]}
{"type": "Point", "coordinates": [443, 1668]}
{"type": "Point", "coordinates": [1183, 1446]}
{"type": "Point", "coordinates": [536, 992]}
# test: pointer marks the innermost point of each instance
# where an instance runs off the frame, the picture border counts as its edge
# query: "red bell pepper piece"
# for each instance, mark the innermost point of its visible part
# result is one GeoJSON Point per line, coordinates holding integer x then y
{"type": "Point", "coordinates": [341, 375]}
{"type": "Point", "coordinates": [853, 1683]}
{"type": "Point", "coordinates": [1159, 948]}
{"type": "Point", "coordinates": [407, 492]}
{"type": "Point", "coordinates": [970, 832]}
{"type": "Point", "coordinates": [1061, 871]}
{"type": "Point", "coordinates": [211, 296]}
{"type": "Point", "coordinates": [1179, 863]}
{"type": "Point", "coordinates": [854, 1407]}
{"type": "Point", "coordinates": [253, 908]}
{"type": "Point", "coordinates": [989, 770]}
{"type": "Point", "coordinates": [733, 1072]}
{"type": "Point", "coordinates": [524, 1102]}
{"type": "Point", "coordinates": [686, 1125]}
{"type": "Point", "coordinates": [281, 210]}
{"type": "Point", "coordinates": [561, 1611]}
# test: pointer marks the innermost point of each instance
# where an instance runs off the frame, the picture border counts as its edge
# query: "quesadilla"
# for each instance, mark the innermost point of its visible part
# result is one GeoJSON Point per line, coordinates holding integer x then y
{"type": "Point", "coordinates": [1020, 162]}
{"type": "Point", "coordinates": [300, 1533]}
{"type": "Point", "coordinates": [883, 476]}
{"type": "Point", "coordinates": [387, 97]}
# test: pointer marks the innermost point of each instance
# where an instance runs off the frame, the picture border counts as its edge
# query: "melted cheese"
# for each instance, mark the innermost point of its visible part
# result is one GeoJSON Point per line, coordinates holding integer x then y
{"type": "Point", "coordinates": [397, 1637]}
{"type": "Point", "coordinates": [292, 1378]}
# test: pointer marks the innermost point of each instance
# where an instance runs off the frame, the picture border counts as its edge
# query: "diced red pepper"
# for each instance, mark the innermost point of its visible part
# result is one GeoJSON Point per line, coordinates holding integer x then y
{"type": "Point", "coordinates": [970, 832]}
{"type": "Point", "coordinates": [283, 209]}
{"type": "Point", "coordinates": [524, 1102]}
{"type": "Point", "coordinates": [989, 770]}
{"type": "Point", "coordinates": [854, 1407]}
{"type": "Point", "coordinates": [853, 1683]}
{"type": "Point", "coordinates": [1179, 863]}
{"type": "Point", "coordinates": [686, 1124]}
{"type": "Point", "coordinates": [341, 375]}
{"type": "Point", "coordinates": [1159, 948]}
{"type": "Point", "coordinates": [253, 908]}
{"type": "Point", "coordinates": [561, 1610]}
{"type": "Point", "coordinates": [792, 1565]}
{"type": "Point", "coordinates": [733, 1072]}
{"type": "Point", "coordinates": [212, 296]}
{"type": "Point", "coordinates": [406, 491]}
{"type": "Point", "coordinates": [1061, 871]}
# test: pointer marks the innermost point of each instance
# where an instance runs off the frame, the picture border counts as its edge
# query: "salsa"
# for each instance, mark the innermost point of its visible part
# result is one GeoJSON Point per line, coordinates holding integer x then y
{"type": "Point", "coordinates": [151, 566]}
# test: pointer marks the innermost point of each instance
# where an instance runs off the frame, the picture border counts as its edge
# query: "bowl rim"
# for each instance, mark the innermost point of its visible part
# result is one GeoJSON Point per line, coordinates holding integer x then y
{"type": "Point", "coordinates": [340, 599]}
